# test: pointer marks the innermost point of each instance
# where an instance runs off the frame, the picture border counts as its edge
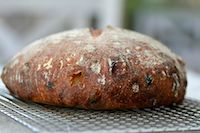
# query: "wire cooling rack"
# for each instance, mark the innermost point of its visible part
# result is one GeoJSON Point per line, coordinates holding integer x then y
{"type": "Point", "coordinates": [49, 119]}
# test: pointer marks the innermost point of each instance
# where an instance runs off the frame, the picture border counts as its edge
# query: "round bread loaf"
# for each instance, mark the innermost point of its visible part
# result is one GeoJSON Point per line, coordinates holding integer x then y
{"type": "Point", "coordinates": [97, 69]}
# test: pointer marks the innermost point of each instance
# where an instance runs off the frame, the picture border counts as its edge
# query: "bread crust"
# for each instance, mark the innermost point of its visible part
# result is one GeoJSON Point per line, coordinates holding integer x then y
{"type": "Point", "coordinates": [93, 69]}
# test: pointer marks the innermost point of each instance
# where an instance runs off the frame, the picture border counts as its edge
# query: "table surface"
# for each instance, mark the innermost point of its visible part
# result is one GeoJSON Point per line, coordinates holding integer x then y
{"type": "Point", "coordinates": [8, 125]}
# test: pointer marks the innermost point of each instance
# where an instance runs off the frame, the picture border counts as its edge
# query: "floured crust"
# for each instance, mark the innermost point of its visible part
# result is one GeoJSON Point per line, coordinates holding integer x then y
{"type": "Point", "coordinates": [93, 69]}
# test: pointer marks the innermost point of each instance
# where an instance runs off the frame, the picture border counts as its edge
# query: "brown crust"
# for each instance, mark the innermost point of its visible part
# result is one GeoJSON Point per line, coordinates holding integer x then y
{"type": "Point", "coordinates": [93, 69]}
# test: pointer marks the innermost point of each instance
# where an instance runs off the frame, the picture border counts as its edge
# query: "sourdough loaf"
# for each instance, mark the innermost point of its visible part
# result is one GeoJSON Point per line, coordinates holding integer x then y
{"type": "Point", "coordinates": [97, 69]}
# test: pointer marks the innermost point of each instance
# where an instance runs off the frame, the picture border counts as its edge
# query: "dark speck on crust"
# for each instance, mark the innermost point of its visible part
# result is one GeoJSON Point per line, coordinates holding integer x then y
{"type": "Point", "coordinates": [113, 64]}
{"type": "Point", "coordinates": [92, 100]}
{"type": "Point", "coordinates": [27, 64]}
{"type": "Point", "coordinates": [148, 79]}
{"type": "Point", "coordinates": [50, 85]}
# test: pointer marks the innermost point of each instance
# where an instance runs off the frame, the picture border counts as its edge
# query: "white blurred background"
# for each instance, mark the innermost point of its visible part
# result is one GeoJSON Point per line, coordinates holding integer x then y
{"type": "Point", "coordinates": [176, 23]}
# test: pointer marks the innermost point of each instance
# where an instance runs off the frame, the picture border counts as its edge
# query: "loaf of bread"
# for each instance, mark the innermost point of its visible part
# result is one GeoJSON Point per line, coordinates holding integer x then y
{"type": "Point", "coordinates": [97, 69]}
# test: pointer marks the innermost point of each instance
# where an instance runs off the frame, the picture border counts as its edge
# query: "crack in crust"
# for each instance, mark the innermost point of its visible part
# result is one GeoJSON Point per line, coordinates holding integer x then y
{"type": "Point", "coordinates": [95, 32]}
{"type": "Point", "coordinates": [76, 78]}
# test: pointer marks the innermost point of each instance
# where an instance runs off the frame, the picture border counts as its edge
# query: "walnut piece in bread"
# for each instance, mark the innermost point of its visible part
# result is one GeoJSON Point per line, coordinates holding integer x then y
{"type": "Point", "coordinates": [97, 69]}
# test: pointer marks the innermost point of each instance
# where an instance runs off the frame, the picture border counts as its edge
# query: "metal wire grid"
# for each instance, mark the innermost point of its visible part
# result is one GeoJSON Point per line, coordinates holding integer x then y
{"type": "Point", "coordinates": [43, 118]}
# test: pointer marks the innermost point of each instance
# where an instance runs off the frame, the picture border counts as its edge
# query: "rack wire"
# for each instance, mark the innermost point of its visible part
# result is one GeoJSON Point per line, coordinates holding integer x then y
{"type": "Point", "coordinates": [50, 119]}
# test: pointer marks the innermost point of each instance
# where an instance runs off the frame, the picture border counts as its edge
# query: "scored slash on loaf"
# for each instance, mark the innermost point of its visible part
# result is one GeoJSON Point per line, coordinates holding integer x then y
{"type": "Point", "coordinates": [97, 69]}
